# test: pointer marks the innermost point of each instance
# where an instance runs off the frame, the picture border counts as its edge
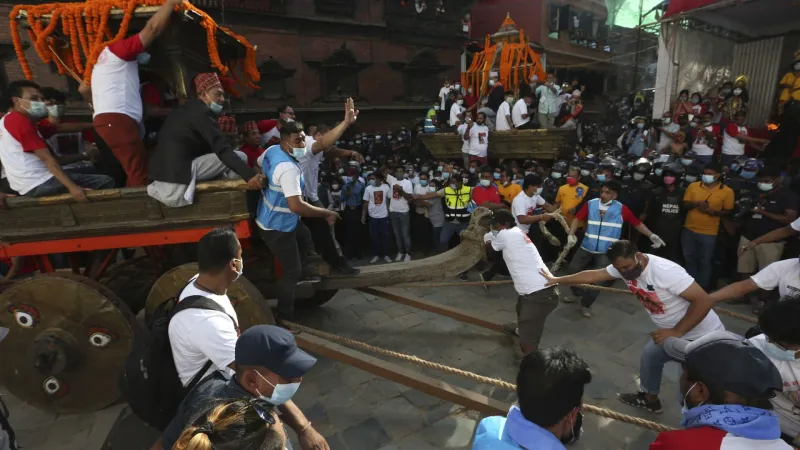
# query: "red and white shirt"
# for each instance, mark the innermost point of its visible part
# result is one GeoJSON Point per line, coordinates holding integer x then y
{"type": "Point", "coordinates": [115, 79]}
{"type": "Point", "coordinates": [709, 438]}
{"type": "Point", "coordinates": [730, 144]}
{"type": "Point", "coordinates": [19, 138]}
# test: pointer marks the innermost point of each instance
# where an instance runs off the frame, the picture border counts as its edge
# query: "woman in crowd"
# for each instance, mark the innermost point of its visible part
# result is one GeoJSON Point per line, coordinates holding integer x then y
{"type": "Point", "coordinates": [235, 425]}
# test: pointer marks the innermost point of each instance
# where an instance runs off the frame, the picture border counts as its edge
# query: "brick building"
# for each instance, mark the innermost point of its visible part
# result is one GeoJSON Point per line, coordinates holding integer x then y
{"type": "Point", "coordinates": [312, 54]}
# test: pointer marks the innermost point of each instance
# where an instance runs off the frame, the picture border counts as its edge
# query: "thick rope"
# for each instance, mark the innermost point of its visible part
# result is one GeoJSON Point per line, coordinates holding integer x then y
{"type": "Point", "coordinates": [603, 412]}
{"type": "Point", "coordinates": [727, 312]}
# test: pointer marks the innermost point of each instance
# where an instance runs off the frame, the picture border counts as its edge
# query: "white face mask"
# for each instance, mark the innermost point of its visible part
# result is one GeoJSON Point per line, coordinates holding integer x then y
{"type": "Point", "coordinates": [281, 393]}
{"type": "Point", "coordinates": [585, 173]}
{"type": "Point", "coordinates": [539, 191]}
{"type": "Point", "coordinates": [685, 408]}
{"type": "Point", "coordinates": [638, 176]}
{"type": "Point", "coordinates": [298, 152]}
{"type": "Point", "coordinates": [239, 272]}
{"type": "Point", "coordinates": [55, 111]}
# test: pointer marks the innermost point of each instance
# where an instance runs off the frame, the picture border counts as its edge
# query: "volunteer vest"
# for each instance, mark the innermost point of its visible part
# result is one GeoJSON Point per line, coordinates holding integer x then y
{"type": "Point", "coordinates": [603, 231]}
{"type": "Point", "coordinates": [456, 203]}
{"type": "Point", "coordinates": [273, 209]}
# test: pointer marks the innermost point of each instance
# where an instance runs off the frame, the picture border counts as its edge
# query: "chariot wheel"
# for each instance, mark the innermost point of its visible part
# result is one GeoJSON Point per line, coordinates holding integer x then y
{"type": "Point", "coordinates": [68, 340]}
{"type": "Point", "coordinates": [251, 307]}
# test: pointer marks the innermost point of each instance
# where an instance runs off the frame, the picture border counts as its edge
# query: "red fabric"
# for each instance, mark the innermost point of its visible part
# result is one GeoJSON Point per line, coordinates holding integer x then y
{"type": "Point", "coordinates": [266, 125]}
{"type": "Point", "coordinates": [122, 135]}
{"type": "Point", "coordinates": [47, 129]}
{"type": "Point", "coordinates": [227, 124]}
{"type": "Point", "coordinates": [206, 81]}
{"type": "Point", "coordinates": [151, 95]}
{"type": "Point", "coordinates": [482, 160]}
{"type": "Point", "coordinates": [679, 6]}
{"type": "Point", "coordinates": [702, 438]}
{"type": "Point", "coordinates": [481, 195]}
{"type": "Point", "coordinates": [127, 49]}
{"type": "Point", "coordinates": [24, 131]}
{"type": "Point", "coordinates": [470, 100]}
{"type": "Point", "coordinates": [252, 152]}
{"type": "Point", "coordinates": [627, 216]}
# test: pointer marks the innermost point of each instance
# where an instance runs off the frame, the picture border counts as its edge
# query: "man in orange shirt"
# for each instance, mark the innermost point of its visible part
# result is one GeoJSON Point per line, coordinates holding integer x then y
{"type": "Point", "coordinates": [707, 201]}
{"type": "Point", "coordinates": [571, 195]}
{"type": "Point", "coordinates": [507, 188]}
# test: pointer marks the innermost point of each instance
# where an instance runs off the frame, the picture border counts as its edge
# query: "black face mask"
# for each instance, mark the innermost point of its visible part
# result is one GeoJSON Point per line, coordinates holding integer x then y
{"type": "Point", "coordinates": [577, 430]}
{"type": "Point", "coordinates": [634, 273]}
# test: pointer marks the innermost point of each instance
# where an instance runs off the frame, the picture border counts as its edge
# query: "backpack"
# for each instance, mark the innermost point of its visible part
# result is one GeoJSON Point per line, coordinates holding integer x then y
{"type": "Point", "coordinates": [150, 381]}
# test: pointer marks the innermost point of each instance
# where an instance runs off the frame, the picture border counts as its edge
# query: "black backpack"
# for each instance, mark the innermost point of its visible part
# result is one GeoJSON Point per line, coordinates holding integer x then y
{"type": "Point", "coordinates": [150, 381]}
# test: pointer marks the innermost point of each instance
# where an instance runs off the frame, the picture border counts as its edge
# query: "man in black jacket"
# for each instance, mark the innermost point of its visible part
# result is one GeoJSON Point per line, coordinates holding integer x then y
{"type": "Point", "coordinates": [191, 148]}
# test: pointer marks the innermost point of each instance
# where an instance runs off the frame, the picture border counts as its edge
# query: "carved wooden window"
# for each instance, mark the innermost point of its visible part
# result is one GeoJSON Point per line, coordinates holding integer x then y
{"type": "Point", "coordinates": [273, 80]}
{"type": "Point", "coordinates": [339, 75]}
{"type": "Point", "coordinates": [422, 84]}
{"type": "Point", "coordinates": [338, 8]}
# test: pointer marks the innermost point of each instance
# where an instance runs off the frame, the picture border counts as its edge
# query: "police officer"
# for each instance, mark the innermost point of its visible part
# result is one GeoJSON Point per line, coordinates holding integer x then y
{"type": "Point", "coordinates": [587, 171]}
{"type": "Point", "coordinates": [556, 179]}
{"type": "Point", "coordinates": [692, 173]}
{"type": "Point", "coordinates": [665, 212]}
{"type": "Point", "coordinates": [639, 187]}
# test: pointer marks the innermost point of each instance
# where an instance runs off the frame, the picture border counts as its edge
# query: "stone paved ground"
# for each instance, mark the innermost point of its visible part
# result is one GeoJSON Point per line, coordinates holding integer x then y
{"type": "Point", "coordinates": [358, 411]}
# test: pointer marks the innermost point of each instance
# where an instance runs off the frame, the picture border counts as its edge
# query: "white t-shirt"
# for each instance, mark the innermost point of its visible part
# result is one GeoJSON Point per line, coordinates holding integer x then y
{"type": "Point", "coordinates": [464, 143]}
{"type": "Point", "coordinates": [786, 404]}
{"type": "Point", "coordinates": [398, 203]}
{"type": "Point", "coordinates": [455, 110]}
{"type": "Point", "coordinates": [19, 138]}
{"type": "Point", "coordinates": [197, 335]}
{"type": "Point", "coordinates": [421, 190]}
{"type": "Point", "coordinates": [522, 205]}
{"type": "Point", "coordinates": [443, 92]}
{"type": "Point", "coordinates": [785, 275]}
{"type": "Point", "coordinates": [521, 257]}
{"type": "Point", "coordinates": [478, 140]}
{"type": "Point", "coordinates": [659, 287]}
{"type": "Point", "coordinates": [115, 79]}
{"type": "Point", "coordinates": [732, 145]}
{"type": "Point", "coordinates": [520, 108]}
{"type": "Point", "coordinates": [700, 145]}
{"type": "Point", "coordinates": [501, 123]}
{"type": "Point", "coordinates": [377, 196]}
{"type": "Point", "coordinates": [309, 165]}
{"type": "Point", "coordinates": [665, 141]}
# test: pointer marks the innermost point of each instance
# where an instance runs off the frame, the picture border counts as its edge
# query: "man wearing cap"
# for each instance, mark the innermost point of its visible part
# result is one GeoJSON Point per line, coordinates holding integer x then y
{"type": "Point", "coordinates": [250, 142]}
{"type": "Point", "coordinates": [535, 298]}
{"type": "Point", "coordinates": [227, 125]}
{"type": "Point", "coordinates": [269, 366]}
{"type": "Point", "coordinates": [727, 384]}
{"type": "Point", "coordinates": [192, 148]}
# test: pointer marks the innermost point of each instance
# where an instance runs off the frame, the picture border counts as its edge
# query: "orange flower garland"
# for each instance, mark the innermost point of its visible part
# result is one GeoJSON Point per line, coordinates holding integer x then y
{"type": "Point", "coordinates": [85, 29]}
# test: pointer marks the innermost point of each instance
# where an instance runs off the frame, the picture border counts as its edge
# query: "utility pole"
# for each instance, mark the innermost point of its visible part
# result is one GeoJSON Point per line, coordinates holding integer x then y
{"type": "Point", "coordinates": [638, 48]}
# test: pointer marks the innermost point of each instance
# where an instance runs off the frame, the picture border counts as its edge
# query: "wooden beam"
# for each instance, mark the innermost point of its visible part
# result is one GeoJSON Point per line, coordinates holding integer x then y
{"type": "Point", "coordinates": [393, 372]}
{"type": "Point", "coordinates": [447, 311]}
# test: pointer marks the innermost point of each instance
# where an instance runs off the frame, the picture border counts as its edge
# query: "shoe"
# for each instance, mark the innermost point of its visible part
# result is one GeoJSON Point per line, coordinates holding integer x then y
{"type": "Point", "coordinates": [388, 259]}
{"type": "Point", "coordinates": [399, 257]}
{"type": "Point", "coordinates": [586, 313]}
{"type": "Point", "coordinates": [374, 260]}
{"type": "Point", "coordinates": [511, 328]}
{"type": "Point", "coordinates": [309, 279]}
{"type": "Point", "coordinates": [463, 276]}
{"type": "Point", "coordinates": [347, 269]}
{"type": "Point", "coordinates": [638, 400]}
{"type": "Point", "coordinates": [407, 258]}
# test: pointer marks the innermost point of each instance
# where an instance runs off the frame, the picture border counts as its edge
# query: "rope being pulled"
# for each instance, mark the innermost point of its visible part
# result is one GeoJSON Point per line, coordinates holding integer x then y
{"type": "Point", "coordinates": [727, 312]}
{"type": "Point", "coordinates": [603, 412]}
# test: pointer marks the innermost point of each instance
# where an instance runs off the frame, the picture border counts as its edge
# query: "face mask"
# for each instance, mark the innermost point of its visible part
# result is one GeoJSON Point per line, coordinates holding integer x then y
{"type": "Point", "coordinates": [239, 272]}
{"type": "Point", "coordinates": [634, 273]}
{"type": "Point", "coordinates": [669, 180]}
{"type": "Point", "coordinates": [458, 86]}
{"type": "Point", "coordinates": [659, 172]}
{"type": "Point", "coordinates": [143, 58]}
{"type": "Point", "coordinates": [601, 177]}
{"type": "Point", "coordinates": [55, 111]}
{"type": "Point", "coordinates": [765, 186]}
{"type": "Point", "coordinates": [439, 169]}
{"type": "Point", "coordinates": [539, 191]}
{"type": "Point", "coordinates": [708, 179]}
{"type": "Point", "coordinates": [572, 181]}
{"type": "Point", "coordinates": [510, 100]}
{"type": "Point", "coordinates": [693, 125]}
{"type": "Point", "coordinates": [486, 183]}
{"type": "Point", "coordinates": [281, 393]}
{"type": "Point", "coordinates": [372, 182]}
{"type": "Point", "coordinates": [737, 91]}
{"type": "Point", "coordinates": [453, 186]}
{"type": "Point", "coordinates": [491, 82]}
{"type": "Point", "coordinates": [36, 109]}
{"type": "Point", "coordinates": [686, 162]}
{"type": "Point", "coordinates": [685, 408]}
{"type": "Point", "coordinates": [496, 176]}
{"type": "Point", "coordinates": [423, 183]}
{"type": "Point", "coordinates": [640, 125]}
{"type": "Point", "coordinates": [445, 175]}
{"type": "Point", "coordinates": [695, 101]}
{"type": "Point", "coordinates": [781, 354]}
{"type": "Point", "coordinates": [585, 173]}
{"type": "Point", "coordinates": [638, 176]}
{"type": "Point", "coordinates": [666, 120]}
{"type": "Point", "coordinates": [747, 175]}
{"type": "Point", "coordinates": [460, 102]}
{"type": "Point", "coordinates": [298, 152]}
{"type": "Point", "coordinates": [577, 430]}
{"type": "Point", "coordinates": [471, 170]}
{"type": "Point", "coordinates": [556, 175]}
{"type": "Point", "coordinates": [690, 179]}
{"type": "Point", "coordinates": [432, 189]}
{"type": "Point", "coordinates": [215, 108]}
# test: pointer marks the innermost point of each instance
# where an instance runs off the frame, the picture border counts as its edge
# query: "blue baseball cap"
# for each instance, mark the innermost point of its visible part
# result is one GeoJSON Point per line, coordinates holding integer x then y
{"type": "Point", "coordinates": [275, 349]}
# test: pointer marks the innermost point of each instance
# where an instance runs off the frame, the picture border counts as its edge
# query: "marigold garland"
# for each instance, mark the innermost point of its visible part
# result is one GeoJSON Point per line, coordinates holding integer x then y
{"type": "Point", "coordinates": [85, 28]}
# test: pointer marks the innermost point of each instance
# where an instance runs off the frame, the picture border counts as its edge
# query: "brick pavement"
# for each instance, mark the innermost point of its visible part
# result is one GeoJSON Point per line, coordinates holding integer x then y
{"type": "Point", "coordinates": [358, 411]}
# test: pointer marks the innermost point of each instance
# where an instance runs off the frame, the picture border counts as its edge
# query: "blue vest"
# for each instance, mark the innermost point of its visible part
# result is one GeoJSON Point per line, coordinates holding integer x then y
{"type": "Point", "coordinates": [601, 232]}
{"type": "Point", "coordinates": [273, 209]}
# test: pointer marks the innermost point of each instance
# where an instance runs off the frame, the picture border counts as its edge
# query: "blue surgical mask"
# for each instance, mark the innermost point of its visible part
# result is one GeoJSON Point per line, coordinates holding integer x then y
{"type": "Point", "coordinates": [372, 182]}
{"type": "Point", "coordinates": [215, 107]}
{"type": "Point", "coordinates": [708, 179]}
{"type": "Point", "coordinates": [747, 175]}
{"type": "Point", "coordinates": [659, 172]}
{"type": "Point", "coordinates": [496, 176]}
{"type": "Point", "coordinates": [781, 354]}
{"type": "Point", "coordinates": [686, 162]}
{"type": "Point", "coordinates": [423, 183]}
{"type": "Point", "coordinates": [601, 177]}
{"type": "Point", "coordinates": [36, 110]}
{"type": "Point", "coordinates": [143, 58]}
{"type": "Point", "coordinates": [445, 175]}
{"type": "Point", "coordinates": [640, 125]}
{"type": "Point", "coordinates": [281, 393]}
